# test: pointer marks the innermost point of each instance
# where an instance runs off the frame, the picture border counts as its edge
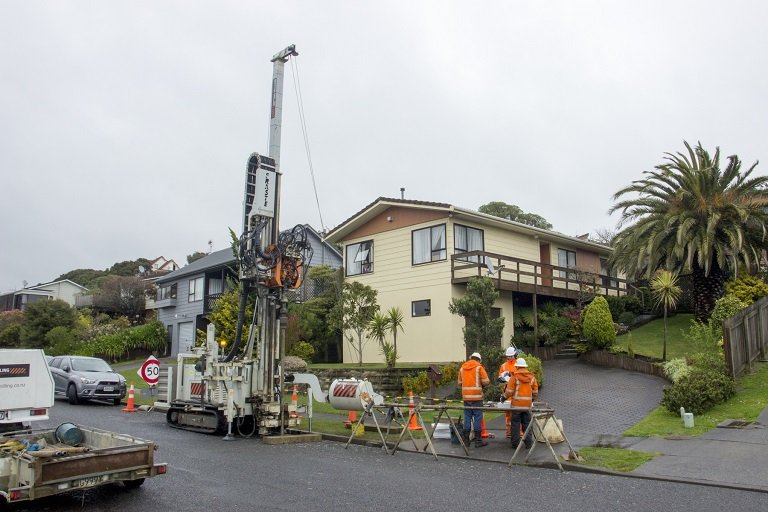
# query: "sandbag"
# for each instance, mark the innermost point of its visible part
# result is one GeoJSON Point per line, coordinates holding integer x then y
{"type": "Point", "coordinates": [549, 432]}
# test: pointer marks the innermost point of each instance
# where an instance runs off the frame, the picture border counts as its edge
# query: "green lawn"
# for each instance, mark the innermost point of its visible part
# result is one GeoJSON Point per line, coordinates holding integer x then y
{"type": "Point", "coordinates": [647, 339]}
{"type": "Point", "coordinates": [615, 459]}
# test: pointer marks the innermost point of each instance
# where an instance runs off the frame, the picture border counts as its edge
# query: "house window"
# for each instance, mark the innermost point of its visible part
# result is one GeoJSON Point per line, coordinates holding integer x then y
{"type": "Point", "coordinates": [566, 258]}
{"type": "Point", "coordinates": [607, 274]}
{"type": "Point", "coordinates": [195, 289]}
{"type": "Point", "coordinates": [167, 292]}
{"type": "Point", "coordinates": [428, 244]}
{"type": "Point", "coordinates": [421, 308]}
{"type": "Point", "coordinates": [466, 239]}
{"type": "Point", "coordinates": [359, 258]}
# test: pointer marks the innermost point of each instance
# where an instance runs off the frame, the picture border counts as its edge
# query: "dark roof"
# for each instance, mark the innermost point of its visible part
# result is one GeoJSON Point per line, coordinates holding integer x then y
{"type": "Point", "coordinates": [218, 259]}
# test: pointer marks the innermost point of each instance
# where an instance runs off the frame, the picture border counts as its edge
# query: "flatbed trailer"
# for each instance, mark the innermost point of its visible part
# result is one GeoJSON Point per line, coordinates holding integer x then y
{"type": "Point", "coordinates": [45, 466]}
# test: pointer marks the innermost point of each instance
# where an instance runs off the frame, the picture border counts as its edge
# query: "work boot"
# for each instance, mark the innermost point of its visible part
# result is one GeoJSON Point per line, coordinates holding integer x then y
{"type": "Point", "coordinates": [465, 438]}
{"type": "Point", "coordinates": [479, 443]}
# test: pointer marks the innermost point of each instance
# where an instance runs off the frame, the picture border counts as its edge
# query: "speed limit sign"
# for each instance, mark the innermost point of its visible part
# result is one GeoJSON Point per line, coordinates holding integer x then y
{"type": "Point", "coordinates": [150, 371]}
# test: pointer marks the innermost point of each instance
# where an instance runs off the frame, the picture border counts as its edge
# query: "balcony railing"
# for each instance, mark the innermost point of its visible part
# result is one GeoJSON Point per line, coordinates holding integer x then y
{"type": "Point", "coordinates": [210, 301]}
{"type": "Point", "coordinates": [517, 274]}
{"type": "Point", "coordinates": [165, 303]}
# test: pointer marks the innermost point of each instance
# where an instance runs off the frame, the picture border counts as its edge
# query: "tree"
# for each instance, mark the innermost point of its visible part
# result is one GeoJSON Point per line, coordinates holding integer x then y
{"type": "Point", "coordinates": [395, 317]}
{"type": "Point", "coordinates": [354, 313]}
{"type": "Point", "coordinates": [664, 288]}
{"type": "Point", "coordinates": [11, 323]}
{"type": "Point", "coordinates": [598, 326]}
{"type": "Point", "coordinates": [195, 256]}
{"type": "Point", "coordinates": [123, 295]}
{"type": "Point", "coordinates": [513, 212]}
{"type": "Point", "coordinates": [691, 216]}
{"type": "Point", "coordinates": [480, 329]}
{"type": "Point", "coordinates": [378, 328]}
{"type": "Point", "coordinates": [42, 316]}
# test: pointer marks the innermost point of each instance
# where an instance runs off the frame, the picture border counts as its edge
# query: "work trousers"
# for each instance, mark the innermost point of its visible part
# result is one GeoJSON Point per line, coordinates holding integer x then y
{"type": "Point", "coordinates": [524, 418]}
{"type": "Point", "coordinates": [473, 416]}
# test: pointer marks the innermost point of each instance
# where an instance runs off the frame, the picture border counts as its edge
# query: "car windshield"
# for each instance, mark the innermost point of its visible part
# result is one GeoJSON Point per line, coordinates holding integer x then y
{"type": "Point", "coordinates": [90, 365]}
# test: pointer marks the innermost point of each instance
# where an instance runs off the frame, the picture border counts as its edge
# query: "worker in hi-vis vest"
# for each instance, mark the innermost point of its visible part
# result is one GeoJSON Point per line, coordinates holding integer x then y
{"type": "Point", "coordinates": [472, 379]}
{"type": "Point", "coordinates": [506, 369]}
{"type": "Point", "coordinates": [522, 388]}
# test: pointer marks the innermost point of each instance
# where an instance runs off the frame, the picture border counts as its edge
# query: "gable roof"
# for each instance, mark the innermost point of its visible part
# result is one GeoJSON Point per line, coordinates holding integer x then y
{"type": "Point", "coordinates": [42, 286]}
{"type": "Point", "coordinates": [216, 259]}
{"type": "Point", "coordinates": [382, 204]}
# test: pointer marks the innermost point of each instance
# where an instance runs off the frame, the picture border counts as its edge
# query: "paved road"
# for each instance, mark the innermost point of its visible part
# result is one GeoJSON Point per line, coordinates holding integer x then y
{"type": "Point", "coordinates": [206, 474]}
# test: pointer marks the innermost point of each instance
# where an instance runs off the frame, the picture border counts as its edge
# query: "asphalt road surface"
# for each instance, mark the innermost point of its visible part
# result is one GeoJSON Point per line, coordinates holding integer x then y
{"type": "Point", "coordinates": [208, 474]}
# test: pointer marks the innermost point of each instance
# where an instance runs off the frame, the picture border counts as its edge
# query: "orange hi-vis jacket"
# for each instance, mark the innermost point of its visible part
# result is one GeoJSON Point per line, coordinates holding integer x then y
{"type": "Point", "coordinates": [522, 388]}
{"type": "Point", "coordinates": [472, 378]}
{"type": "Point", "coordinates": [507, 366]}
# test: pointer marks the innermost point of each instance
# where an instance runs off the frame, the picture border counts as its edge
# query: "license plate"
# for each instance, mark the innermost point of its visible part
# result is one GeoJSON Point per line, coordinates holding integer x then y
{"type": "Point", "coordinates": [87, 482]}
{"type": "Point", "coordinates": [109, 388]}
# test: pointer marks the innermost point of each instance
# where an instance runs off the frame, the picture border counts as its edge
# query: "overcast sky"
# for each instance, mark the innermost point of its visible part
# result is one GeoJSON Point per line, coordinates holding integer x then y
{"type": "Point", "coordinates": [125, 127]}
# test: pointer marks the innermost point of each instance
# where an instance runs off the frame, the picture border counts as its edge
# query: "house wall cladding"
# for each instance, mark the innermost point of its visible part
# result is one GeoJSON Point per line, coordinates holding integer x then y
{"type": "Point", "coordinates": [183, 312]}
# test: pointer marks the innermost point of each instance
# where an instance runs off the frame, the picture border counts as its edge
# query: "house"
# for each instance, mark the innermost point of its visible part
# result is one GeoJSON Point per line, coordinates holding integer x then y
{"type": "Point", "coordinates": [65, 290]}
{"type": "Point", "coordinates": [161, 264]}
{"type": "Point", "coordinates": [187, 296]}
{"type": "Point", "coordinates": [419, 256]}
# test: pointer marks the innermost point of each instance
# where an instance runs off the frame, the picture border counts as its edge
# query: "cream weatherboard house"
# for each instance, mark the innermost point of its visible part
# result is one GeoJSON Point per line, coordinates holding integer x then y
{"type": "Point", "coordinates": [419, 255]}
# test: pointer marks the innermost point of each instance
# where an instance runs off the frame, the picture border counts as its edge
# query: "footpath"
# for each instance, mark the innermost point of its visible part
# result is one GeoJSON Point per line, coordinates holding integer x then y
{"type": "Point", "coordinates": [597, 404]}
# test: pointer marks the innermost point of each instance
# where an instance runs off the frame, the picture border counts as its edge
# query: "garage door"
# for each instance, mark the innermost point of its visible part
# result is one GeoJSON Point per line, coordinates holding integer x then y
{"type": "Point", "coordinates": [186, 337]}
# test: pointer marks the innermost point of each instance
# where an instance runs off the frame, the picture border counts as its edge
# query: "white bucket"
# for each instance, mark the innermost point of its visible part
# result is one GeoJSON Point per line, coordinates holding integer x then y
{"type": "Point", "coordinates": [688, 420]}
{"type": "Point", "coordinates": [442, 431]}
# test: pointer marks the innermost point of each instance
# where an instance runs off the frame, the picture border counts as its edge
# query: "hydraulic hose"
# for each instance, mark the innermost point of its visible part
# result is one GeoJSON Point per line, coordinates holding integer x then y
{"type": "Point", "coordinates": [240, 319]}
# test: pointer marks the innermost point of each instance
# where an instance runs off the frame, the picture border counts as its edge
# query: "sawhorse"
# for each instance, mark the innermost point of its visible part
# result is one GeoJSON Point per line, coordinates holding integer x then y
{"type": "Point", "coordinates": [546, 414]}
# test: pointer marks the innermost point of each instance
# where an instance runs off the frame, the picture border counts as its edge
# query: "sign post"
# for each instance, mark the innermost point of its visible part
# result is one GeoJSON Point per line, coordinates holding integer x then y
{"type": "Point", "coordinates": [150, 372]}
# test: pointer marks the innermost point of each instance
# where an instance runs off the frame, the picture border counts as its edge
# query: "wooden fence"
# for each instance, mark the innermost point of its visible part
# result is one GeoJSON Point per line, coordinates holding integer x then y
{"type": "Point", "coordinates": [745, 337]}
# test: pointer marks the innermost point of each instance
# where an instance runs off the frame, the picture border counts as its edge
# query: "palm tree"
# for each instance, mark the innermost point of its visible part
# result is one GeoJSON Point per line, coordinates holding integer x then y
{"type": "Point", "coordinates": [664, 288]}
{"type": "Point", "coordinates": [691, 216]}
{"type": "Point", "coordinates": [395, 318]}
{"type": "Point", "coordinates": [378, 327]}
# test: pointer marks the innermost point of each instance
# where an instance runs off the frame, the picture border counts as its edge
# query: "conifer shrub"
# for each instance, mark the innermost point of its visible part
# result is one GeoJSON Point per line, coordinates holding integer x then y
{"type": "Point", "coordinates": [597, 328]}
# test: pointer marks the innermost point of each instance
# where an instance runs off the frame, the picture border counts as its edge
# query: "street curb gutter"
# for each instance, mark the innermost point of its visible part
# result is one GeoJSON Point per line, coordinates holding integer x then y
{"type": "Point", "coordinates": [576, 468]}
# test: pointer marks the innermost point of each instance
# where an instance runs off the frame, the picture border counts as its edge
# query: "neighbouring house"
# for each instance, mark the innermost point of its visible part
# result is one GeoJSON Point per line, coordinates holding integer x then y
{"type": "Point", "coordinates": [66, 290]}
{"type": "Point", "coordinates": [187, 296]}
{"type": "Point", "coordinates": [419, 255]}
{"type": "Point", "coordinates": [161, 264]}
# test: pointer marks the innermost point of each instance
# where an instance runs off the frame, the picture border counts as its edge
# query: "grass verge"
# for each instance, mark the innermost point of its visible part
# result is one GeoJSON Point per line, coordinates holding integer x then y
{"type": "Point", "coordinates": [615, 459]}
{"type": "Point", "coordinates": [750, 400]}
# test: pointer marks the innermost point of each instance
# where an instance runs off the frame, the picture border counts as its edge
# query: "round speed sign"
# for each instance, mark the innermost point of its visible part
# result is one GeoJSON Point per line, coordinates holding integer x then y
{"type": "Point", "coordinates": [150, 371]}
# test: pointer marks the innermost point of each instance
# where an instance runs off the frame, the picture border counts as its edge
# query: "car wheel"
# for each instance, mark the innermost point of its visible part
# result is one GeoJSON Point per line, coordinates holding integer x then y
{"type": "Point", "coordinates": [117, 401]}
{"type": "Point", "coordinates": [72, 394]}
{"type": "Point", "coordinates": [133, 484]}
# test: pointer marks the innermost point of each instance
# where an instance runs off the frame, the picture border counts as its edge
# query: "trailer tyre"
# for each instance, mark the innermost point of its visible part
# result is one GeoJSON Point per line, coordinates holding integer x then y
{"type": "Point", "coordinates": [72, 395]}
{"type": "Point", "coordinates": [133, 484]}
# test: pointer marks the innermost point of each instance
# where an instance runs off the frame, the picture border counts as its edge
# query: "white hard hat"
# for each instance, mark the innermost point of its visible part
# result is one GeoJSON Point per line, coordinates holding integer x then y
{"type": "Point", "coordinates": [510, 352]}
{"type": "Point", "coordinates": [520, 363]}
{"type": "Point", "coordinates": [476, 355]}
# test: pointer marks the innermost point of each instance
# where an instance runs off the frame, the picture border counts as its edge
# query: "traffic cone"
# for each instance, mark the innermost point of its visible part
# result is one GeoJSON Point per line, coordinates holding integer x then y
{"type": "Point", "coordinates": [412, 424]}
{"type": "Point", "coordinates": [294, 403]}
{"type": "Point", "coordinates": [351, 418]}
{"type": "Point", "coordinates": [483, 433]}
{"type": "Point", "coordinates": [129, 407]}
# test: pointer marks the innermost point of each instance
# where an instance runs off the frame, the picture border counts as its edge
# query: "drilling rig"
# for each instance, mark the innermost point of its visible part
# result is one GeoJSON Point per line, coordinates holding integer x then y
{"type": "Point", "coordinates": [242, 389]}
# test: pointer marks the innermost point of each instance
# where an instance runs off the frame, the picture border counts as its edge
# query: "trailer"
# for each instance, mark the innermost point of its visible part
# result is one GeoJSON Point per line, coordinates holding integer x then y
{"type": "Point", "coordinates": [45, 462]}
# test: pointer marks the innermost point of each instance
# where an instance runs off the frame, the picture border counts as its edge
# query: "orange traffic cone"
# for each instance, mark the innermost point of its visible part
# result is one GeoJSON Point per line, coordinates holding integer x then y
{"type": "Point", "coordinates": [294, 403]}
{"type": "Point", "coordinates": [484, 433]}
{"type": "Point", "coordinates": [129, 407]}
{"type": "Point", "coordinates": [351, 418]}
{"type": "Point", "coordinates": [412, 424]}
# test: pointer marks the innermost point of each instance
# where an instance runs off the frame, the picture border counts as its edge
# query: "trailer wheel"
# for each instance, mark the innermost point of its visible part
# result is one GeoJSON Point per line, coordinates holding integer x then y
{"type": "Point", "coordinates": [133, 484]}
{"type": "Point", "coordinates": [72, 395]}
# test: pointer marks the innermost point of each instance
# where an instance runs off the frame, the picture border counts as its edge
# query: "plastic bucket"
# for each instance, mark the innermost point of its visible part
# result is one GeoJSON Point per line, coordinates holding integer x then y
{"type": "Point", "coordinates": [69, 434]}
